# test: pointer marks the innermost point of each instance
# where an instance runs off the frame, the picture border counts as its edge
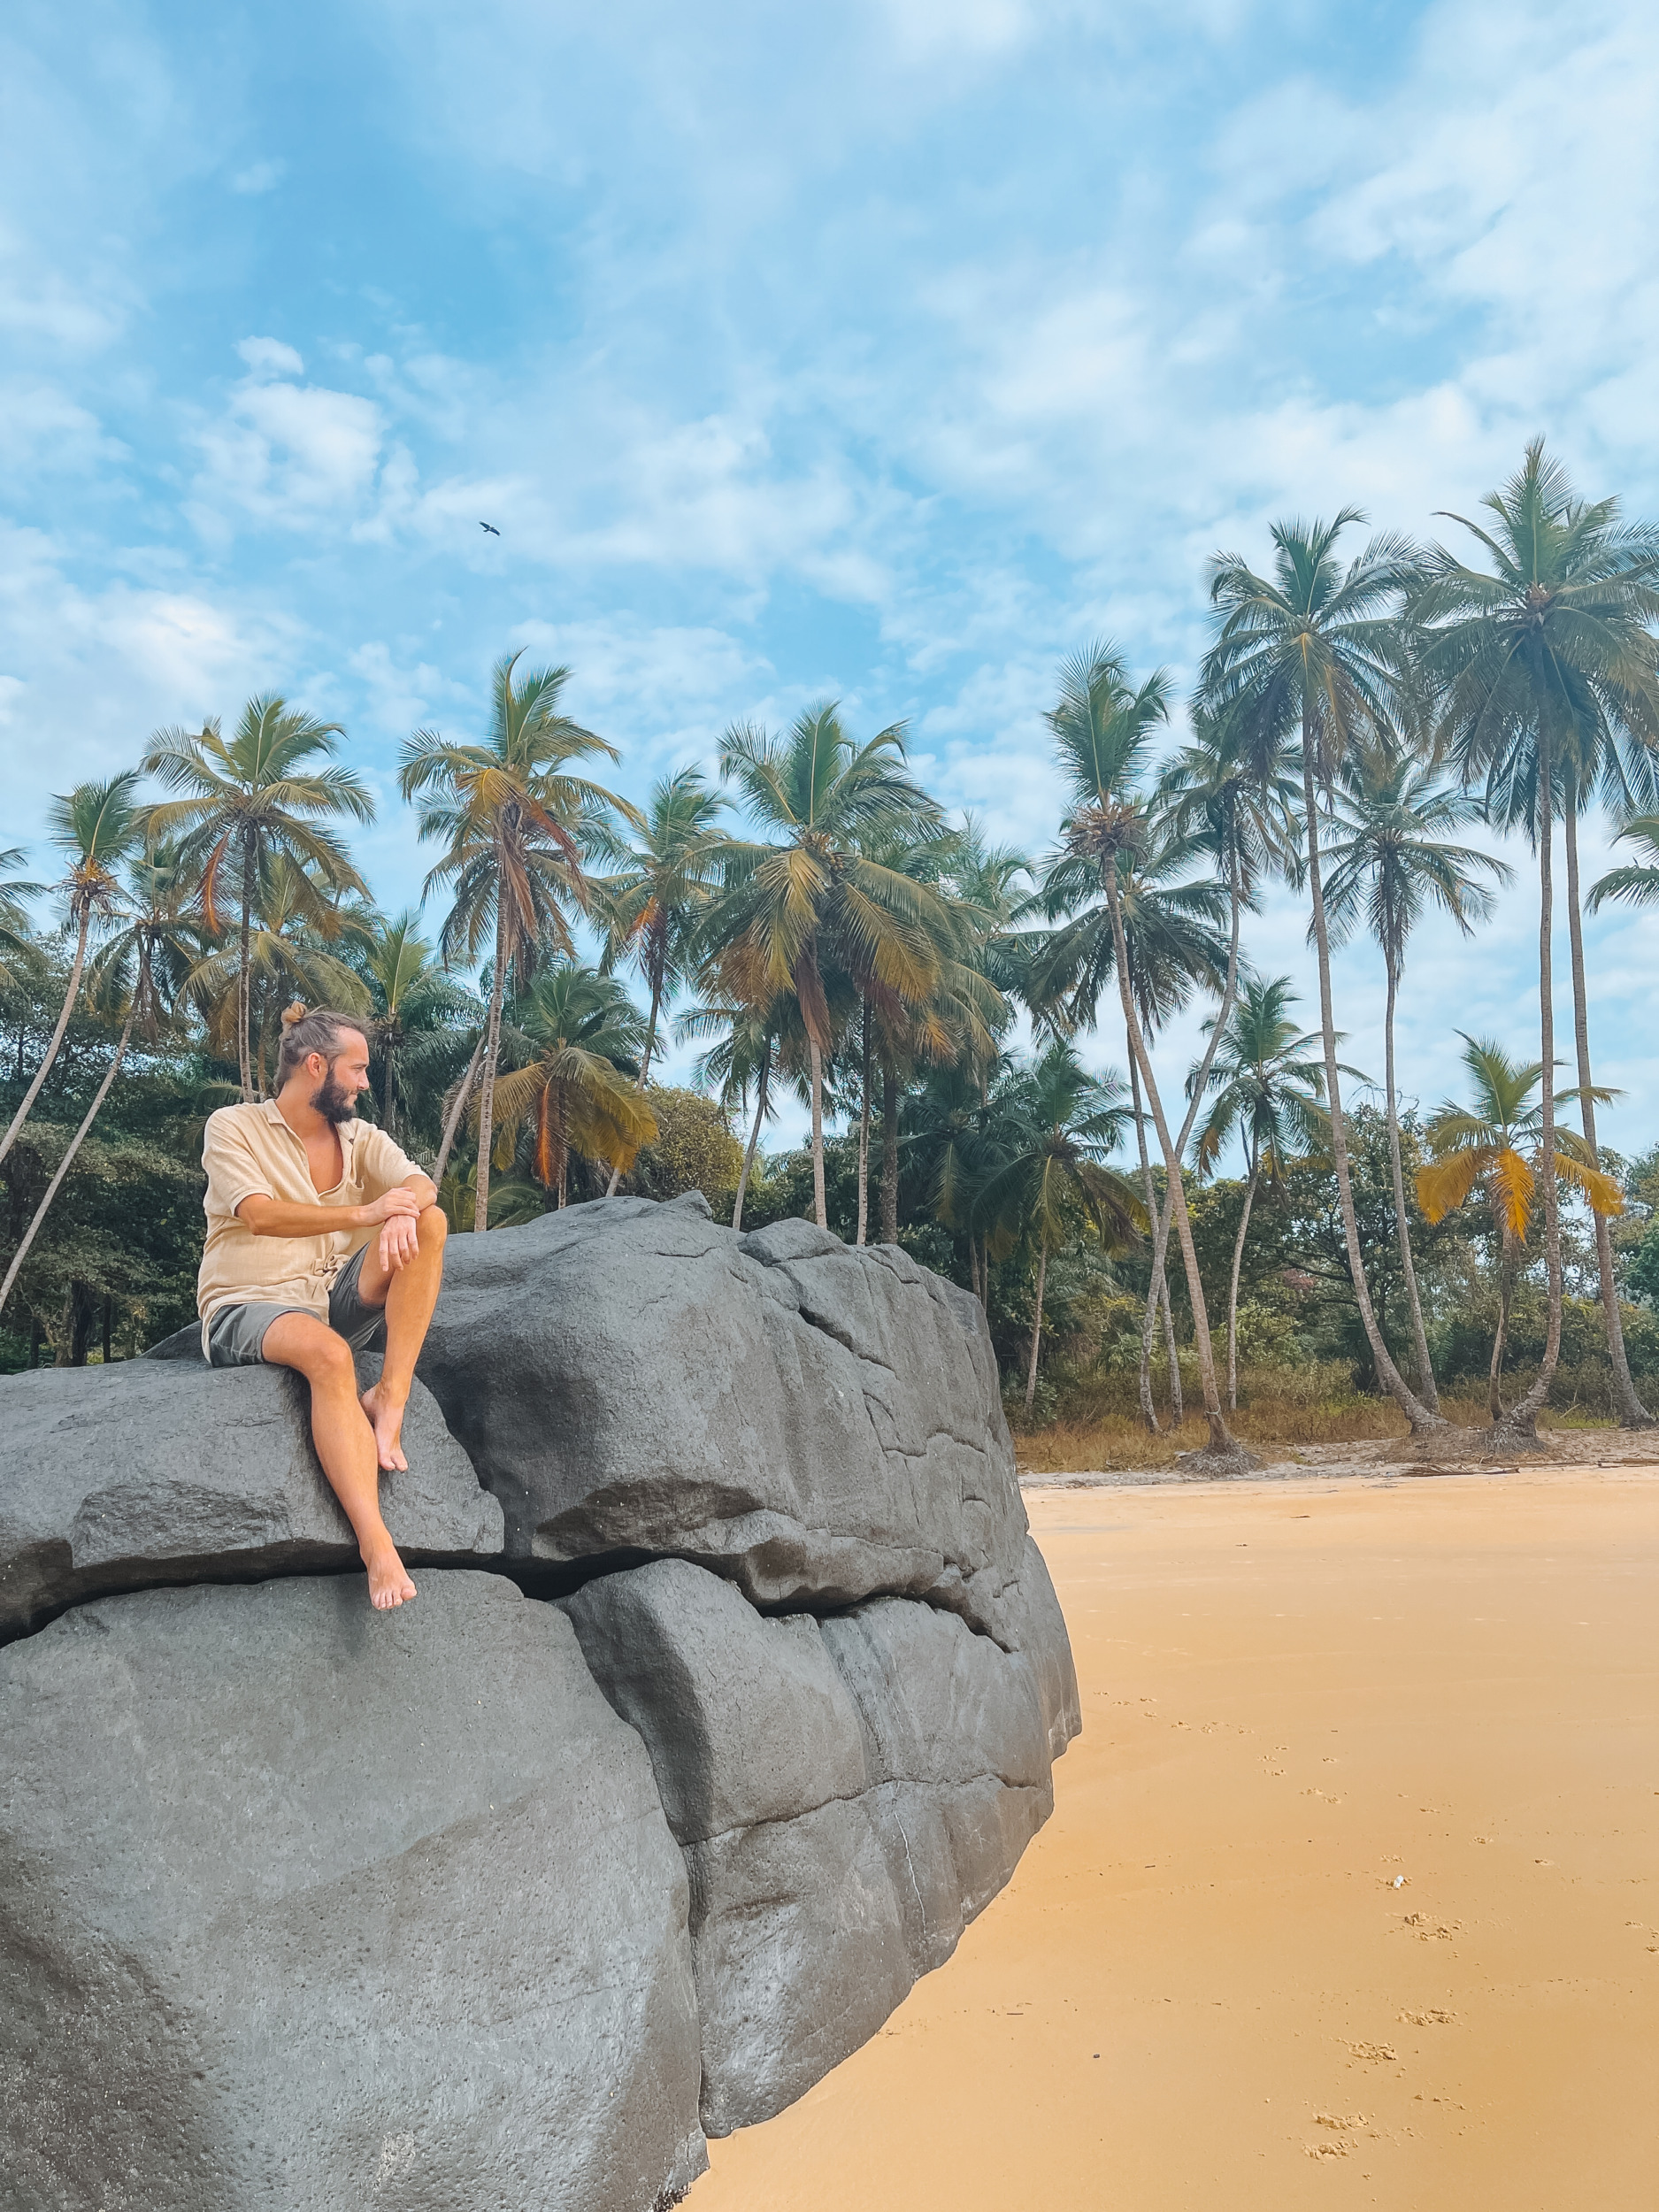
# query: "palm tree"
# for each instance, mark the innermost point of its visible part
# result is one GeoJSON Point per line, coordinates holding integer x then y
{"type": "Point", "coordinates": [249, 800]}
{"type": "Point", "coordinates": [411, 997]}
{"type": "Point", "coordinates": [17, 942]}
{"type": "Point", "coordinates": [1497, 1144]}
{"type": "Point", "coordinates": [293, 946]}
{"type": "Point", "coordinates": [514, 819]}
{"type": "Point", "coordinates": [142, 972]}
{"type": "Point", "coordinates": [746, 1051]}
{"type": "Point", "coordinates": [1102, 728]}
{"type": "Point", "coordinates": [1269, 1092]}
{"type": "Point", "coordinates": [1548, 668]}
{"type": "Point", "coordinates": [1178, 939]}
{"type": "Point", "coordinates": [1390, 859]}
{"type": "Point", "coordinates": [98, 825]}
{"type": "Point", "coordinates": [581, 1085]}
{"type": "Point", "coordinates": [666, 881]}
{"type": "Point", "coordinates": [1311, 650]}
{"type": "Point", "coordinates": [1061, 1124]}
{"type": "Point", "coordinates": [1637, 883]}
{"type": "Point", "coordinates": [799, 905]}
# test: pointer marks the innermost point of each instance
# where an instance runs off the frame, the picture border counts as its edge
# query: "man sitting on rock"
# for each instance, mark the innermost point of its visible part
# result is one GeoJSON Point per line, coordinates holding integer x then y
{"type": "Point", "coordinates": [295, 1275]}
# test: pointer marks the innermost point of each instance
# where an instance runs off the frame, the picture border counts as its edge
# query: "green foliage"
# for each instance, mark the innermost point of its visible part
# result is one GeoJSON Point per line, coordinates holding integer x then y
{"type": "Point", "coordinates": [694, 1149]}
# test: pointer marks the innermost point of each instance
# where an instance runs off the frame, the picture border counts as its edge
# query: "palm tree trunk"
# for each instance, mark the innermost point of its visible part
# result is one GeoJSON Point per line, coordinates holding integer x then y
{"type": "Point", "coordinates": [44, 1069]}
{"type": "Point", "coordinates": [645, 1062]}
{"type": "Point", "coordinates": [816, 1062]}
{"type": "Point", "coordinates": [1220, 1441]}
{"type": "Point", "coordinates": [1523, 1418]}
{"type": "Point", "coordinates": [389, 1081]}
{"type": "Point", "coordinates": [1036, 1326]}
{"type": "Point", "coordinates": [890, 1150]}
{"type": "Point", "coordinates": [68, 1161]}
{"type": "Point", "coordinates": [1419, 1335]}
{"type": "Point", "coordinates": [1148, 1412]}
{"type": "Point", "coordinates": [1423, 1420]}
{"type": "Point", "coordinates": [492, 1049]}
{"type": "Point", "coordinates": [754, 1135]}
{"type": "Point", "coordinates": [1506, 1286]}
{"type": "Point", "coordinates": [864, 1123]}
{"type": "Point", "coordinates": [453, 1121]}
{"type": "Point", "coordinates": [1632, 1412]}
{"type": "Point", "coordinates": [244, 1049]}
{"type": "Point", "coordinates": [1233, 1292]}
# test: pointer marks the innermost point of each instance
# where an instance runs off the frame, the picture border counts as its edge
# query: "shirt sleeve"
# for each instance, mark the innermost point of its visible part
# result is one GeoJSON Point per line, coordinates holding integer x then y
{"type": "Point", "coordinates": [234, 1172]}
{"type": "Point", "coordinates": [381, 1163]}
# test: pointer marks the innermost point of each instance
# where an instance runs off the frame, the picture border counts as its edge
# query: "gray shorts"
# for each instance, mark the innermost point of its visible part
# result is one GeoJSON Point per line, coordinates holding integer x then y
{"type": "Point", "coordinates": [236, 1335]}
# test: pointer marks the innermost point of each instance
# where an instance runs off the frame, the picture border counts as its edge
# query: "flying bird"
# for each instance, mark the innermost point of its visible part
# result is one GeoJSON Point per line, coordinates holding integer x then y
{"type": "Point", "coordinates": [490, 526]}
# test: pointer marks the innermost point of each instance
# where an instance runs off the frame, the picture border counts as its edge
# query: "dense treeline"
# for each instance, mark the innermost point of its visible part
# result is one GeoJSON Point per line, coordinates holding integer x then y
{"type": "Point", "coordinates": [810, 918]}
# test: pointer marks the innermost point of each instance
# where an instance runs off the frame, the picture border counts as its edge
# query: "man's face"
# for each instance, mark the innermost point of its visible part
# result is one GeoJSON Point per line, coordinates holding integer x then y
{"type": "Point", "coordinates": [345, 1078]}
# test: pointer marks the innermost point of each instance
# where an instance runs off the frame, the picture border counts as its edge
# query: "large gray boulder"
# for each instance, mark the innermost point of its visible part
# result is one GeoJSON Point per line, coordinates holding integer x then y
{"type": "Point", "coordinates": [849, 1794]}
{"type": "Point", "coordinates": [303, 1907]}
{"type": "Point", "coordinates": [817, 1423]}
{"type": "Point", "coordinates": [121, 1478]}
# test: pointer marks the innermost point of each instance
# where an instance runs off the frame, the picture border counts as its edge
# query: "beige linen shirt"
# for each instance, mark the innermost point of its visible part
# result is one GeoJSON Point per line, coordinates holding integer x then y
{"type": "Point", "coordinates": [249, 1151]}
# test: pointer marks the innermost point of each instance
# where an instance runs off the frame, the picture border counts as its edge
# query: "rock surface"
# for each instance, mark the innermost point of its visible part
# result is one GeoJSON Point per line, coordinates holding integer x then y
{"type": "Point", "coordinates": [121, 1478]}
{"type": "Point", "coordinates": [302, 1906]}
{"type": "Point", "coordinates": [305, 1907]}
{"type": "Point", "coordinates": [814, 1422]}
{"type": "Point", "coordinates": [849, 1794]}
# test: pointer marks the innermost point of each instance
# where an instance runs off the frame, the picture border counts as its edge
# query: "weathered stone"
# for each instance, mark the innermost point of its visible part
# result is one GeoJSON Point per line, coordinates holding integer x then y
{"type": "Point", "coordinates": [122, 1477]}
{"type": "Point", "coordinates": [304, 1905]}
{"type": "Point", "coordinates": [850, 1794]}
{"type": "Point", "coordinates": [956, 1746]}
{"type": "Point", "coordinates": [816, 1422]}
{"type": "Point", "coordinates": [800, 1955]}
{"type": "Point", "coordinates": [746, 1719]}
{"type": "Point", "coordinates": [1034, 1624]}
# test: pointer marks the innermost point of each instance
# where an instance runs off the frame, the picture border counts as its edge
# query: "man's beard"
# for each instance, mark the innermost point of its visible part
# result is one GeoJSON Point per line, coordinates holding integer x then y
{"type": "Point", "coordinates": [332, 1100]}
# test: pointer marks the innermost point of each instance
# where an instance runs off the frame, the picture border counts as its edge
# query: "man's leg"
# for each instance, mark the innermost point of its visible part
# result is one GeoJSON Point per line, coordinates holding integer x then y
{"type": "Point", "coordinates": [409, 1294]}
{"type": "Point", "coordinates": [344, 1441]}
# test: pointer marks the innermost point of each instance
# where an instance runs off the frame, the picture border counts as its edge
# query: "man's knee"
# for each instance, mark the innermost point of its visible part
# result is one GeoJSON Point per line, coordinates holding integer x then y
{"type": "Point", "coordinates": [330, 1360]}
{"type": "Point", "coordinates": [433, 1229]}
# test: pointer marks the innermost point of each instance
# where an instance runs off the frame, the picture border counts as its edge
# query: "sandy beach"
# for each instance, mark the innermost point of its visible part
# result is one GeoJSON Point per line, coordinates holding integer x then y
{"type": "Point", "coordinates": [1351, 1893]}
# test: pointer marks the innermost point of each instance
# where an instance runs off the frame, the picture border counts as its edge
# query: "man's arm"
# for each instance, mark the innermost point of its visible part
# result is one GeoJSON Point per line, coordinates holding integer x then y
{"type": "Point", "coordinates": [397, 1212]}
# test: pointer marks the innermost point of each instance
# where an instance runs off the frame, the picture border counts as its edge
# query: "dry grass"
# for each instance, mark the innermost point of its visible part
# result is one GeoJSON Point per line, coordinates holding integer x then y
{"type": "Point", "coordinates": [1272, 1420]}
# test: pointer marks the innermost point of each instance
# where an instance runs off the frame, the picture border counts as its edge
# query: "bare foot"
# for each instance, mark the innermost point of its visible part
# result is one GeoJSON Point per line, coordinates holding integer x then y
{"type": "Point", "coordinates": [386, 1418]}
{"type": "Point", "coordinates": [388, 1579]}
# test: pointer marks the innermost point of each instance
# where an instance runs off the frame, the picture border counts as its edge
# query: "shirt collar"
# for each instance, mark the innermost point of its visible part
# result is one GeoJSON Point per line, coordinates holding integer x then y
{"type": "Point", "coordinates": [347, 1130]}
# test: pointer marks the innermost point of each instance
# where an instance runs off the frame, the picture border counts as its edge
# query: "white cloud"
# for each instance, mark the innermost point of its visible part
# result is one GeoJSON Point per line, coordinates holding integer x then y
{"type": "Point", "coordinates": [259, 176]}
{"type": "Point", "coordinates": [269, 356]}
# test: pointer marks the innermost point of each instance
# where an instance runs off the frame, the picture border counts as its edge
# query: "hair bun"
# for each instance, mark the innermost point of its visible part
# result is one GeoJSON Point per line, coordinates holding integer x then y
{"type": "Point", "coordinates": [294, 1013]}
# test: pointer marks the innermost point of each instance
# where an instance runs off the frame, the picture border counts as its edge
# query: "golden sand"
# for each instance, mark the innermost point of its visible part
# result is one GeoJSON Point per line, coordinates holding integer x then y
{"type": "Point", "coordinates": [1351, 1894]}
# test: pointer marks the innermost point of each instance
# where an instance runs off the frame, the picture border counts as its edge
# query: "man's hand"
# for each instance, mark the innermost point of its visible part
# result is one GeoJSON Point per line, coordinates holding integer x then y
{"type": "Point", "coordinates": [400, 1238]}
{"type": "Point", "coordinates": [398, 1202]}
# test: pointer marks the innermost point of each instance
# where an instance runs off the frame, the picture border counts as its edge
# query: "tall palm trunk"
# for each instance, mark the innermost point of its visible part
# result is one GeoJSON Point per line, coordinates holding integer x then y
{"type": "Point", "coordinates": [645, 1057]}
{"type": "Point", "coordinates": [1426, 1390]}
{"type": "Point", "coordinates": [1220, 1441]}
{"type": "Point", "coordinates": [68, 1161]}
{"type": "Point", "coordinates": [1036, 1326]}
{"type": "Point", "coordinates": [390, 1081]}
{"type": "Point", "coordinates": [1422, 1418]}
{"type": "Point", "coordinates": [890, 1150]}
{"type": "Point", "coordinates": [1148, 1412]}
{"type": "Point", "coordinates": [244, 980]}
{"type": "Point", "coordinates": [815, 1059]}
{"type": "Point", "coordinates": [754, 1135]}
{"type": "Point", "coordinates": [864, 1122]}
{"type": "Point", "coordinates": [1201, 1078]}
{"type": "Point", "coordinates": [1506, 1291]}
{"type": "Point", "coordinates": [1524, 1418]}
{"type": "Point", "coordinates": [44, 1069]}
{"type": "Point", "coordinates": [492, 1051]}
{"type": "Point", "coordinates": [1232, 1288]}
{"type": "Point", "coordinates": [453, 1120]}
{"type": "Point", "coordinates": [1632, 1412]}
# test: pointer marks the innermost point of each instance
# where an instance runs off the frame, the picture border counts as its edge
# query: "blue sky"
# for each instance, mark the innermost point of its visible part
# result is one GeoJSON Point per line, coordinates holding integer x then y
{"type": "Point", "coordinates": [889, 351]}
